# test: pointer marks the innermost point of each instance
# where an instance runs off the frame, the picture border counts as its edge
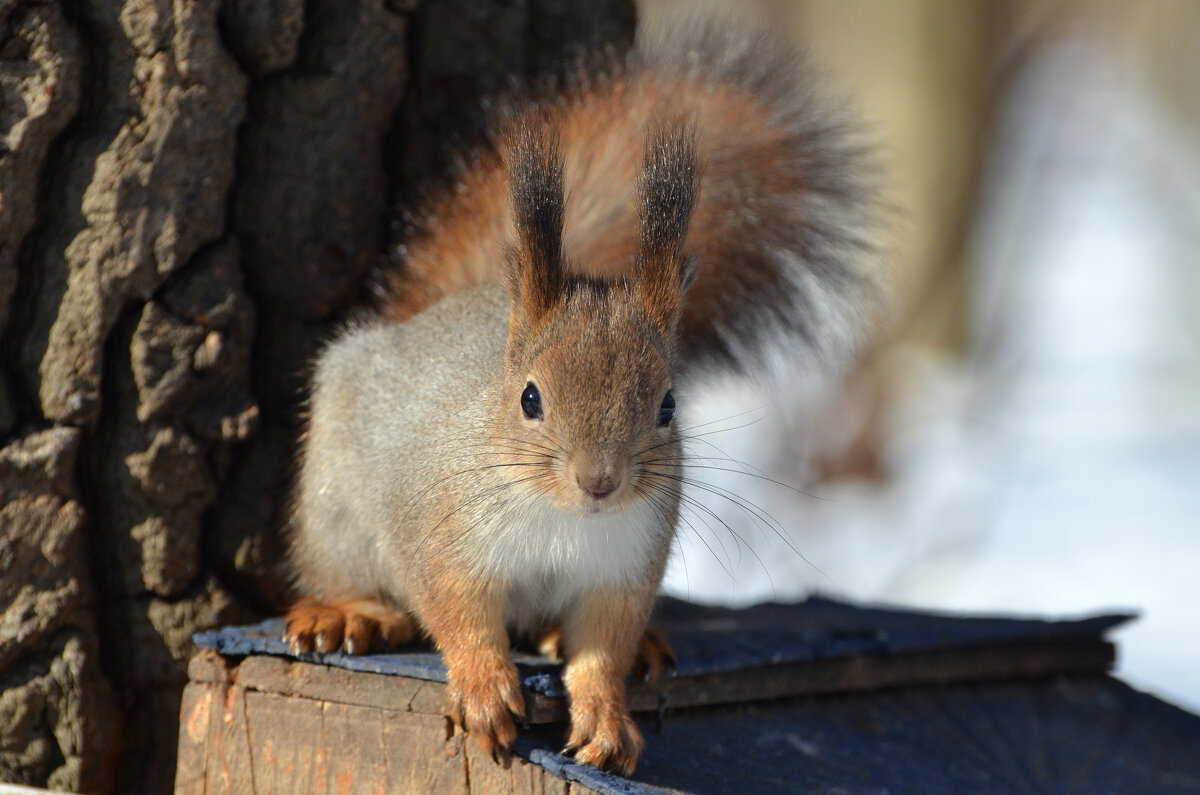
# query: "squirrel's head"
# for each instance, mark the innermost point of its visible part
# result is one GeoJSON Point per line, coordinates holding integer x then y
{"type": "Point", "coordinates": [587, 400]}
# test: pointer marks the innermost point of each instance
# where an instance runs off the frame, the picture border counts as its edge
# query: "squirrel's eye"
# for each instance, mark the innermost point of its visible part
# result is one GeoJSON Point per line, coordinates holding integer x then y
{"type": "Point", "coordinates": [531, 402]}
{"type": "Point", "coordinates": [667, 410]}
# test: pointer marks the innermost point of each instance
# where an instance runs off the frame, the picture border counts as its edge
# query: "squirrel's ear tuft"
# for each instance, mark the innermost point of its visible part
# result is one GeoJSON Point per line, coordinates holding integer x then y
{"type": "Point", "coordinates": [667, 192]}
{"type": "Point", "coordinates": [535, 169]}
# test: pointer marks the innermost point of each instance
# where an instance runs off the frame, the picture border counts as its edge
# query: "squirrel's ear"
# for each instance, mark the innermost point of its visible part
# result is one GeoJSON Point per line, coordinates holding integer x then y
{"type": "Point", "coordinates": [535, 170]}
{"type": "Point", "coordinates": [667, 191]}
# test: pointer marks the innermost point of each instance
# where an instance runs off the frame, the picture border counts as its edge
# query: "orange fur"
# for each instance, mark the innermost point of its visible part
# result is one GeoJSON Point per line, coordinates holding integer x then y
{"type": "Point", "coordinates": [357, 626]}
{"type": "Point", "coordinates": [604, 637]}
{"type": "Point", "coordinates": [465, 618]}
{"type": "Point", "coordinates": [759, 173]}
{"type": "Point", "coordinates": [602, 140]}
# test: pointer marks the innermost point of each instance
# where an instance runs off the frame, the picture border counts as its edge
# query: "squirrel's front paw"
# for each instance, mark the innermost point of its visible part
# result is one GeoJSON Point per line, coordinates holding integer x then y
{"type": "Point", "coordinates": [357, 627]}
{"type": "Point", "coordinates": [603, 734]}
{"type": "Point", "coordinates": [481, 699]}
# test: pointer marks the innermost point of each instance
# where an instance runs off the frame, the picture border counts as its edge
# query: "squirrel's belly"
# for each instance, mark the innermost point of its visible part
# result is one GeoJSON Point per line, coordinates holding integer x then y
{"type": "Point", "coordinates": [550, 557]}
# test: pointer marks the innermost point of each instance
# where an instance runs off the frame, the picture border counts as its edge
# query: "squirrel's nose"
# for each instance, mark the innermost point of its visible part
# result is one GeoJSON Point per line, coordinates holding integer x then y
{"type": "Point", "coordinates": [598, 487]}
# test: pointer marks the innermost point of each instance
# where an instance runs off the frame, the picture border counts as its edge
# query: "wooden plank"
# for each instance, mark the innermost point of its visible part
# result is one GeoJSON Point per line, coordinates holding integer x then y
{"type": "Point", "coordinates": [863, 674]}
{"type": "Point", "coordinates": [207, 665]}
{"type": "Point", "coordinates": [761, 652]}
{"type": "Point", "coordinates": [214, 752]}
{"type": "Point", "coordinates": [485, 775]}
{"type": "Point", "coordinates": [195, 712]}
{"type": "Point", "coordinates": [326, 683]}
{"type": "Point", "coordinates": [429, 699]}
{"type": "Point", "coordinates": [274, 724]}
{"type": "Point", "coordinates": [1054, 734]}
{"type": "Point", "coordinates": [372, 751]}
{"type": "Point", "coordinates": [231, 748]}
{"type": "Point", "coordinates": [422, 754]}
{"type": "Point", "coordinates": [853, 675]}
{"type": "Point", "coordinates": [531, 779]}
{"type": "Point", "coordinates": [839, 675]}
{"type": "Point", "coordinates": [287, 750]}
{"type": "Point", "coordinates": [234, 741]}
{"type": "Point", "coordinates": [355, 760]}
{"type": "Point", "coordinates": [710, 640]}
{"type": "Point", "coordinates": [510, 776]}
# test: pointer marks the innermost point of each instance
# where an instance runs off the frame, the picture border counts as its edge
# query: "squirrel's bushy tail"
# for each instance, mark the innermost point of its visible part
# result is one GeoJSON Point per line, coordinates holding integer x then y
{"type": "Point", "coordinates": [782, 230]}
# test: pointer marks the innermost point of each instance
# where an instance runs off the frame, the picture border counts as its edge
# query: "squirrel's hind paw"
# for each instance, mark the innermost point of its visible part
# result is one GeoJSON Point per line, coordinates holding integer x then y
{"type": "Point", "coordinates": [356, 627]}
{"type": "Point", "coordinates": [549, 643]}
{"type": "Point", "coordinates": [654, 653]}
{"type": "Point", "coordinates": [604, 735]}
{"type": "Point", "coordinates": [654, 656]}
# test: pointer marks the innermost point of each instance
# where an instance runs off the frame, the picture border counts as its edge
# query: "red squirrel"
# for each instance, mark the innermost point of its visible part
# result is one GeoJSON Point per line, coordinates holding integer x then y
{"type": "Point", "coordinates": [495, 452]}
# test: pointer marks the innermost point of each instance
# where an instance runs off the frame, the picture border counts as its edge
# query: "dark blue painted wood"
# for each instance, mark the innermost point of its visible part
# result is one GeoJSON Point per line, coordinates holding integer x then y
{"type": "Point", "coordinates": [419, 663]}
{"type": "Point", "coordinates": [1088, 734]}
{"type": "Point", "coordinates": [718, 640]}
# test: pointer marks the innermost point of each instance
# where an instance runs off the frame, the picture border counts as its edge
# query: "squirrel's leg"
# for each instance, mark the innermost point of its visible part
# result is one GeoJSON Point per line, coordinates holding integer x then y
{"type": "Point", "coordinates": [602, 636]}
{"type": "Point", "coordinates": [357, 625]}
{"type": "Point", "coordinates": [465, 617]}
{"type": "Point", "coordinates": [654, 652]}
{"type": "Point", "coordinates": [654, 655]}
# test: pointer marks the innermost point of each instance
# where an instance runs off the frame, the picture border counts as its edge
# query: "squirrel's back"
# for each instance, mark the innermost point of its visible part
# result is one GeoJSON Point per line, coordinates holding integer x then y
{"type": "Point", "coordinates": [379, 438]}
{"type": "Point", "coordinates": [780, 230]}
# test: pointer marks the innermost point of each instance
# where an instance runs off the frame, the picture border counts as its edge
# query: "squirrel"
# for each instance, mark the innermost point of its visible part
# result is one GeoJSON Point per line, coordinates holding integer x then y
{"type": "Point", "coordinates": [494, 452]}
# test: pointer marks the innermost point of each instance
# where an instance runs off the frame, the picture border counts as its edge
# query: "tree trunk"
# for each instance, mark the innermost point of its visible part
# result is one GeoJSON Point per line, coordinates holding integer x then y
{"type": "Point", "coordinates": [191, 195]}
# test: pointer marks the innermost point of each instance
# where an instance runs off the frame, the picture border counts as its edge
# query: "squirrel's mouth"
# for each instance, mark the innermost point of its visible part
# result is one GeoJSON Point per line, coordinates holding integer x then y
{"type": "Point", "coordinates": [576, 501]}
{"type": "Point", "coordinates": [603, 509]}
{"type": "Point", "coordinates": [589, 497]}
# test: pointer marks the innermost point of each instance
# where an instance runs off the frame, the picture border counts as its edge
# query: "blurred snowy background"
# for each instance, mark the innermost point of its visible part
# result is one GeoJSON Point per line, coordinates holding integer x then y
{"type": "Point", "coordinates": [1027, 438]}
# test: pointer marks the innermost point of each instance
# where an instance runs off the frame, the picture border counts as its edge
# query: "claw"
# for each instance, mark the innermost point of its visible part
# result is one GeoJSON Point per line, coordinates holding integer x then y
{"type": "Point", "coordinates": [347, 625]}
{"type": "Point", "coordinates": [604, 735]}
{"type": "Point", "coordinates": [483, 701]}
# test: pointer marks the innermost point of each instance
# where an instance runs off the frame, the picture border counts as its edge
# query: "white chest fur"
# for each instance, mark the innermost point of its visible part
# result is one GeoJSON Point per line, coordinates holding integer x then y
{"type": "Point", "coordinates": [550, 557]}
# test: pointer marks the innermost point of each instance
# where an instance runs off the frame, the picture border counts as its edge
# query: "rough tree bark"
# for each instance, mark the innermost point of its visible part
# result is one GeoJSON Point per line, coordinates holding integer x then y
{"type": "Point", "coordinates": [191, 193]}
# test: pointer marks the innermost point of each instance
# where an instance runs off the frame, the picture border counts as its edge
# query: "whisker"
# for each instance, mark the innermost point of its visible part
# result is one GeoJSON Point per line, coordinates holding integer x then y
{"type": "Point", "coordinates": [664, 512]}
{"type": "Point", "coordinates": [691, 503]}
{"type": "Point", "coordinates": [688, 463]}
{"type": "Point", "coordinates": [757, 514]}
{"type": "Point", "coordinates": [516, 447]}
{"type": "Point", "coordinates": [525, 499]}
{"type": "Point", "coordinates": [467, 503]}
{"type": "Point", "coordinates": [724, 419]}
{"type": "Point", "coordinates": [682, 439]}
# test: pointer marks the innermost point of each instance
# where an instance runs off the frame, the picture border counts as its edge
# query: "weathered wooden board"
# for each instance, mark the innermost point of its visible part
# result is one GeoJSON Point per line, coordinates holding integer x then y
{"type": "Point", "coordinates": [826, 696]}
{"type": "Point", "coordinates": [1062, 734]}
{"type": "Point", "coordinates": [236, 739]}
{"type": "Point", "coordinates": [766, 651]}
